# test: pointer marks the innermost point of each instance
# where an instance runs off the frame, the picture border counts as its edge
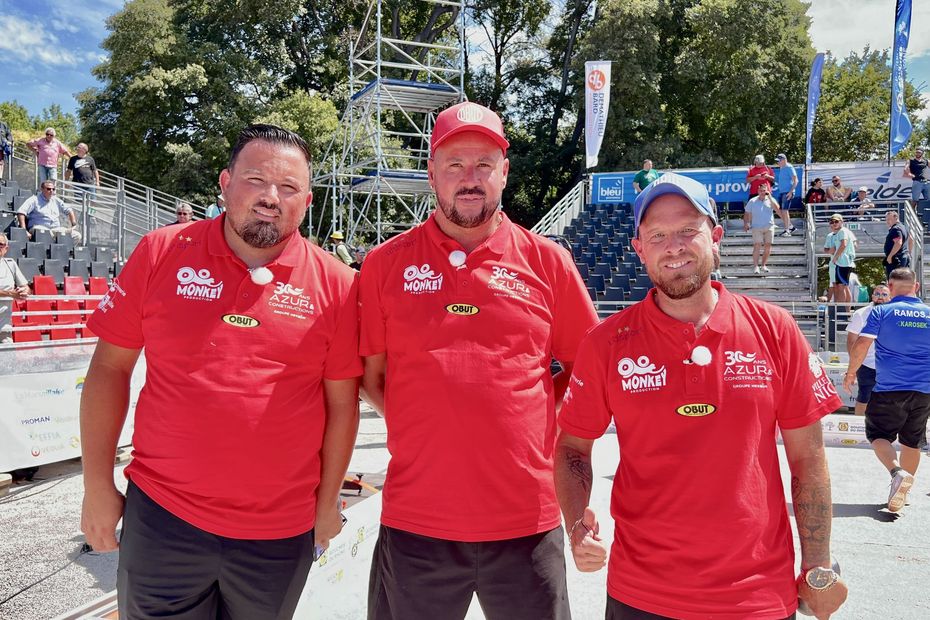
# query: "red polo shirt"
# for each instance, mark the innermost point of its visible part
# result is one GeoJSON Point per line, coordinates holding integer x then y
{"type": "Point", "coordinates": [468, 397]}
{"type": "Point", "coordinates": [701, 527]}
{"type": "Point", "coordinates": [755, 183]}
{"type": "Point", "coordinates": [229, 425]}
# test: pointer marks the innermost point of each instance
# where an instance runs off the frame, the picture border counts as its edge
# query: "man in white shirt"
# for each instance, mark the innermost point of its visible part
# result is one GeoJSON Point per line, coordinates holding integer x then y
{"type": "Point", "coordinates": [865, 376]}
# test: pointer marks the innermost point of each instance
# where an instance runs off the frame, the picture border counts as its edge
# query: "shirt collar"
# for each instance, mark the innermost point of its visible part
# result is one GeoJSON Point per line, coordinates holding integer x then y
{"type": "Point", "coordinates": [217, 246]}
{"type": "Point", "coordinates": [719, 320]}
{"type": "Point", "coordinates": [497, 243]}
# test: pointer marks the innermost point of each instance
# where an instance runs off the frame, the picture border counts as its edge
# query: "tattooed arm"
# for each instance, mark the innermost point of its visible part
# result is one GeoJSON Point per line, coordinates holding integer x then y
{"type": "Point", "coordinates": [573, 478]}
{"type": "Point", "coordinates": [813, 511]}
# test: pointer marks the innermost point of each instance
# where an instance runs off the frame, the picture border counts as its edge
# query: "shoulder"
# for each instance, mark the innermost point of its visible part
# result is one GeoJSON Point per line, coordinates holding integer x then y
{"type": "Point", "coordinates": [395, 246]}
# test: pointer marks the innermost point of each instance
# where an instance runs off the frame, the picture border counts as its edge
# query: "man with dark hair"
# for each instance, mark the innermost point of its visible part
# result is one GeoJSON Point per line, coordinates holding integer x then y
{"type": "Point", "coordinates": [461, 317]}
{"type": "Point", "coordinates": [918, 171]}
{"type": "Point", "coordinates": [697, 380]}
{"type": "Point", "coordinates": [644, 177]}
{"type": "Point", "coordinates": [897, 244]}
{"type": "Point", "coordinates": [248, 418]}
{"type": "Point", "coordinates": [900, 402]}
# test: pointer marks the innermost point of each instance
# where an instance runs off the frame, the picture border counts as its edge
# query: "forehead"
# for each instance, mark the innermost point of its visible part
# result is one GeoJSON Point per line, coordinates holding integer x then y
{"type": "Point", "coordinates": [469, 144]}
{"type": "Point", "coordinates": [272, 158]}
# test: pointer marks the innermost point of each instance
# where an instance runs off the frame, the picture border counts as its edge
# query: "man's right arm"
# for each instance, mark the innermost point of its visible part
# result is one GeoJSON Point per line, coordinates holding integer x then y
{"type": "Point", "coordinates": [372, 388]}
{"type": "Point", "coordinates": [573, 480]}
{"type": "Point", "coordinates": [104, 403]}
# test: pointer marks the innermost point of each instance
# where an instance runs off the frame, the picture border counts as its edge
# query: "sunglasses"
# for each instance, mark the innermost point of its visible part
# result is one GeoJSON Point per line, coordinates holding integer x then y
{"type": "Point", "coordinates": [48, 189]}
{"type": "Point", "coordinates": [3, 245]}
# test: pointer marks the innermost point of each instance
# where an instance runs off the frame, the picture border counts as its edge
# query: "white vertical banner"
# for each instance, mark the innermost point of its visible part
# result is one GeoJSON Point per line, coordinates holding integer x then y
{"type": "Point", "coordinates": [597, 103]}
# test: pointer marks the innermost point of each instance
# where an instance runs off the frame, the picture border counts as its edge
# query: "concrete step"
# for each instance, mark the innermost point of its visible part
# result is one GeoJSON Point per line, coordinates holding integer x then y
{"type": "Point", "coordinates": [741, 238]}
{"type": "Point", "coordinates": [779, 296]}
{"type": "Point", "coordinates": [745, 258]}
{"type": "Point", "coordinates": [764, 282]}
{"type": "Point", "coordinates": [744, 269]}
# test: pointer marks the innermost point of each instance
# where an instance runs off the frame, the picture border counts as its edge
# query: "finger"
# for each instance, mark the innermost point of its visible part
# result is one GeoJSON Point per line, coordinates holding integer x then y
{"type": "Point", "coordinates": [589, 520]}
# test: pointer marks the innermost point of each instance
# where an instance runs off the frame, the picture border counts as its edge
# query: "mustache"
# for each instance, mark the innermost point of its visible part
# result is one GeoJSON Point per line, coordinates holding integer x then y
{"type": "Point", "coordinates": [268, 206]}
{"type": "Point", "coordinates": [473, 191]}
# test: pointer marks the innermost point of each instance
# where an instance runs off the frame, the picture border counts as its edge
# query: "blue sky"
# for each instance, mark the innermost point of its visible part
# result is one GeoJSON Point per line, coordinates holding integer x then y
{"type": "Point", "coordinates": [48, 47]}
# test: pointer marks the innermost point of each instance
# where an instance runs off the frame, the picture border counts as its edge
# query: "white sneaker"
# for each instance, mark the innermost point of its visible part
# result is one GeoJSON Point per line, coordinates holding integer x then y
{"type": "Point", "coordinates": [765, 269]}
{"type": "Point", "coordinates": [756, 270]}
{"type": "Point", "coordinates": [787, 233]}
{"type": "Point", "coordinates": [897, 493]}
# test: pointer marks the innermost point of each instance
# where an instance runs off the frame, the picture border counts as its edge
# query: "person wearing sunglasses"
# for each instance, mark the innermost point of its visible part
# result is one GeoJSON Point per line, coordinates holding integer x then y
{"type": "Point", "coordinates": [836, 192]}
{"type": "Point", "coordinates": [865, 376]}
{"type": "Point", "coordinates": [13, 286]}
{"type": "Point", "coordinates": [184, 213]}
{"type": "Point", "coordinates": [43, 212]}
{"type": "Point", "coordinates": [48, 150]}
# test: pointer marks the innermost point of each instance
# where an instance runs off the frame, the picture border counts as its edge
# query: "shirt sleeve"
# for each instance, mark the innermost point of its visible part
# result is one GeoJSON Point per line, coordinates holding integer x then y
{"type": "Point", "coordinates": [19, 279]}
{"type": "Point", "coordinates": [27, 207]}
{"type": "Point", "coordinates": [373, 323]}
{"type": "Point", "coordinates": [585, 408]}
{"type": "Point", "coordinates": [342, 361]}
{"type": "Point", "coordinates": [856, 321]}
{"type": "Point", "coordinates": [806, 392]}
{"type": "Point", "coordinates": [873, 324]}
{"type": "Point", "coordinates": [574, 314]}
{"type": "Point", "coordinates": [118, 317]}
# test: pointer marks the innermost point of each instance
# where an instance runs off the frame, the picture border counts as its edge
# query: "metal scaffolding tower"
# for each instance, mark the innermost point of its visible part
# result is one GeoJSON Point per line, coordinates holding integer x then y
{"type": "Point", "coordinates": [374, 176]}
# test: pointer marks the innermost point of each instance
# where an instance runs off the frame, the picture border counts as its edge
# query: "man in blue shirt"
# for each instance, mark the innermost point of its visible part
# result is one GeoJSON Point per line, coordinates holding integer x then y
{"type": "Point", "coordinates": [43, 211]}
{"type": "Point", "coordinates": [900, 402]}
{"type": "Point", "coordinates": [787, 180]}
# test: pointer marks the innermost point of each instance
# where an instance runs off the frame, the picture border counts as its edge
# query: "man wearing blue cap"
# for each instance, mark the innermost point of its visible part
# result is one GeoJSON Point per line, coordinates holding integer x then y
{"type": "Point", "coordinates": [701, 530]}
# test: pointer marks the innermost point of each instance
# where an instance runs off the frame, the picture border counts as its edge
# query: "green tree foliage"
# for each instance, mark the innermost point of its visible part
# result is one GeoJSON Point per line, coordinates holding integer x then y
{"type": "Point", "coordinates": [852, 118]}
{"type": "Point", "coordinates": [15, 116]}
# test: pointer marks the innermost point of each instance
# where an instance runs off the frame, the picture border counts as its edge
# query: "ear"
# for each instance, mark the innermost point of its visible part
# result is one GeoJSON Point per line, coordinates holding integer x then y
{"type": "Point", "coordinates": [224, 180]}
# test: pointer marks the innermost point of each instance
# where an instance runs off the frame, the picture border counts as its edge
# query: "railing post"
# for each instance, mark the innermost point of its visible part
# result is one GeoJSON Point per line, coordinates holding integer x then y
{"type": "Point", "coordinates": [121, 223]}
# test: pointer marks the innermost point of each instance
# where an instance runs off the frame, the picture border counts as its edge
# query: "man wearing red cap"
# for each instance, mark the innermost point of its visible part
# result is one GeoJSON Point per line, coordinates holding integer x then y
{"type": "Point", "coordinates": [697, 380]}
{"type": "Point", "coordinates": [461, 317]}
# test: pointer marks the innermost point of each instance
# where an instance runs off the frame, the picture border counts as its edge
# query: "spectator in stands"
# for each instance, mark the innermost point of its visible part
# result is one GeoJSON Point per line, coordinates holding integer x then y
{"type": "Point", "coordinates": [815, 194]}
{"type": "Point", "coordinates": [900, 402]}
{"type": "Point", "coordinates": [48, 150]}
{"type": "Point", "coordinates": [865, 376]}
{"type": "Point", "coordinates": [247, 432]}
{"type": "Point", "coordinates": [13, 285]}
{"type": "Point", "coordinates": [644, 177]}
{"type": "Point", "coordinates": [787, 184]}
{"type": "Point", "coordinates": [862, 198]}
{"type": "Point", "coordinates": [184, 213]}
{"type": "Point", "coordinates": [83, 169]}
{"type": "Point", "coordinates": [837, 192]}
{"type": "Point", "coordinates": [760, 219]}
{"type": "Point", "coordinates": [43, 212]}
{"type": "Point", "coordinates": [897, 244]}
{"type": "Point", "coordinates": [217, 208]}
{"type": "Point", "coordinates": [839, 245]}
{"type": "Point", "coordinates": [6, 146]}
{"type": "Point", "coordinates": [758, 174]}
{"type": "Point", "coordinates": [916, 170]}
{"type": "Point", "coordinates": [340, 249]}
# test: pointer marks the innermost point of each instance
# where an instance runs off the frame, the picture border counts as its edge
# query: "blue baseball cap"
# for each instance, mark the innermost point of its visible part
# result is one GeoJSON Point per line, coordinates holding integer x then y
{"type": "Point", "coordinates": [671, 183]}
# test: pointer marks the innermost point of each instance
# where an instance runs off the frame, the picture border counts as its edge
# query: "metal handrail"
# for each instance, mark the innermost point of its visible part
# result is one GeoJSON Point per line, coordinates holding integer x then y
{"type": "Point", "coordinates": [563, 212]}
{"type": "Point", "coordinates": [810, 251]}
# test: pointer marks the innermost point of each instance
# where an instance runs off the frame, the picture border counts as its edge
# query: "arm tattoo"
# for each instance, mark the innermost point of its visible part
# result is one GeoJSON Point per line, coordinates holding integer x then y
{"type": "Point", "coordinates": [813, 511]}
{"type": "Point", "coordinates": [579, 466]}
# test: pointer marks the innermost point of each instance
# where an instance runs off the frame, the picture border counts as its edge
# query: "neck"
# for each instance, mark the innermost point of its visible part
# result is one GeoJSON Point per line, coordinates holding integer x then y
{"type": "Point", "coordinates": [253, 257]}
{"type": "Point", "coordinates": [468, 238]}
{"type": "Point", "coordinates": [695, 309]}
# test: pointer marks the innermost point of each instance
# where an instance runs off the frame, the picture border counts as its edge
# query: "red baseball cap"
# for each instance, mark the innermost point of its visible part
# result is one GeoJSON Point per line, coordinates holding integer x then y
{"type": "Point", "coordinates": [468, 116]}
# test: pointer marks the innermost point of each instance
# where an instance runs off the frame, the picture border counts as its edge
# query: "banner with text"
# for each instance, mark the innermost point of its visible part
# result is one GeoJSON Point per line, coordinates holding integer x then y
{"type": "Point", "coordinates": [882, 181]}
{"type": "Point", "coordinates": [723, 184]}
{"type": "Point", "coordinates": [41, 394]}
{"type": "Point", "coordinates": [900, 125]}
{"type": "Point", "coordinates": [597, 103]}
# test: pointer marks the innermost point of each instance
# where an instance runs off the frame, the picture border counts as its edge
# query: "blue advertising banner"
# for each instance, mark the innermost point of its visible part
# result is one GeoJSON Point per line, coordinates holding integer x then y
{"type": "Point", "coordinates": [813, 98]}
{"type": "Point", "coordinates": [900, 125]}
{"type": "Point", "coordinates": [723, 184]}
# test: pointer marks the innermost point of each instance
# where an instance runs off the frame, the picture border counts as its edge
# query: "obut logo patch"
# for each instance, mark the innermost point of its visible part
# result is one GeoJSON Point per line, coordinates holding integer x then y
{"type": "Point", "coordinates": [240, 320]}
{"type": "Point", "coordinates": [462, 309]}
{"type": "Point", "coordinates": [696, 410]}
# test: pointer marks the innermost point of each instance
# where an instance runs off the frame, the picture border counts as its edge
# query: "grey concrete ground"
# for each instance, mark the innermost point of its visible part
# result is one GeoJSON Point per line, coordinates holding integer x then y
{"type": "Point", "coordinates": [885, 557]}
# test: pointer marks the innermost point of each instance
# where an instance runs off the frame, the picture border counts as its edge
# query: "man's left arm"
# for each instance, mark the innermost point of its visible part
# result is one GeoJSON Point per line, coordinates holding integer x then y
{"type": "Point", "coordinates": [895, 248]}
{"type": "Point", "coordinates": [341, 402]}
{"type": "Point", "coordinates": [813, 511]}
{"type": "Point", "coordinates": [856, 356]}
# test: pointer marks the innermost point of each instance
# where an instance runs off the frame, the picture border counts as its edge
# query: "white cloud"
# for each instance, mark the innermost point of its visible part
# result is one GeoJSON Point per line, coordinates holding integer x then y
{"type": "Point", "coordinates": [63, 25]}
{"type": "Point", "coordinates": [843, 26]}
{"type": "Point", "coordinates": [23, 41]}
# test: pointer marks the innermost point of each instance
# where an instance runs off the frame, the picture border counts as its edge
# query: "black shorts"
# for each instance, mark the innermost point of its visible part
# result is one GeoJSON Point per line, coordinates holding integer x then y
{"type": "Point", "coordinates": [842, 275]}
{"type": "Point", "coordinates": [168, 567]}
{"type": "Point", "coordinates": [898, 415]}
{"type": "Point", "coordinates": [417, 577]}
{"type": "Point", "coordinates": [621, 611]}
{"type": "Point", "coordinates": [865, 377]}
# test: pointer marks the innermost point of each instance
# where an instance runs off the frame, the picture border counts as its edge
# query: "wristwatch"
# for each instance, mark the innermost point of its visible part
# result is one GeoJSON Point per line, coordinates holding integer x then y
{"type": "Point", "coordinates": [819, 578]}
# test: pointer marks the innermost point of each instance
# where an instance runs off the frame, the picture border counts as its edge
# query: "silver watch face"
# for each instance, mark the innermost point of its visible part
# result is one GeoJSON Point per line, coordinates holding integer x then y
{"type": "Point", "coordinates": [819, 578]}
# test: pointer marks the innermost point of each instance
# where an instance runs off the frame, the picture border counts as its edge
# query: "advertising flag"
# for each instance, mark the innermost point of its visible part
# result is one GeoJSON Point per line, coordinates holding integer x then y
{"type": "Point", "coordinates": [597, 102]}
{"type": "Point", "coordinates": [813, 98]}
{"type": "Point", "coordinates": [900, 124]}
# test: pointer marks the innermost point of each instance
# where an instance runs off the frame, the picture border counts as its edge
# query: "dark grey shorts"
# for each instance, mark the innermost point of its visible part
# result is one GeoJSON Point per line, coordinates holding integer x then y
{"type": "Point", "coordinates": [898, 415]}
{"type": "Point", "coordinates": [416, 577]}
{"type": "Point", "coordinates": [168, 567]}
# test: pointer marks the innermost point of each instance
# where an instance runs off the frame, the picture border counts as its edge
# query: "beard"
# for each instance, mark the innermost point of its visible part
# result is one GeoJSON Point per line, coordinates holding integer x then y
{"type": "Point", "coordinates": [260, 234]}
{"type": "Point", "coordinates": [684, 286]}
{"type": "Point", "coordinates": [456, 217]}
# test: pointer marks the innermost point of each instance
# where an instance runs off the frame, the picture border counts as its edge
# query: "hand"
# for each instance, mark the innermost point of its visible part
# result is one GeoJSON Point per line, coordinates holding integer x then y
{"type": "Point", "coordinates": [21, 292]}
{"type": "Point", "coordinates": [100, 513]}
{"type": "Point", "coordinates": [329, 522]}
{"type": "Point", "coordinates": [746, 226]}
{"type": "Point", "coordinates": [849, 380]}
{"type": "Point", "coordinates": [823, 603]}
{"type": "Point", "coordinates": [888, 260]}
{"type": "Point", "coordinates": [28, 235]}
{"type": "Point", "coordinates": [588, 549]}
